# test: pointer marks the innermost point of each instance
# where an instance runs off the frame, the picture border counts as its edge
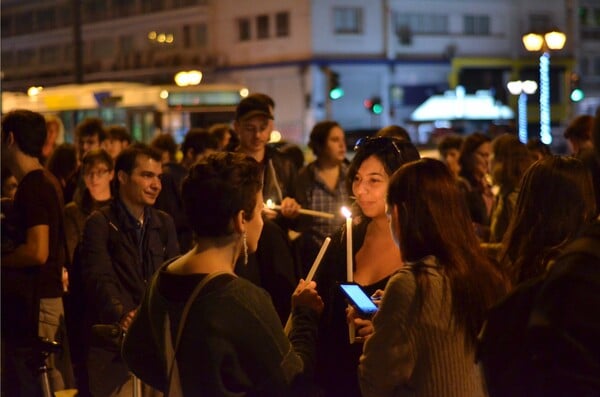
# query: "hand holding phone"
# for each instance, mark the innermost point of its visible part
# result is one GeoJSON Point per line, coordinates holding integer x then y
{"type": "Point", "coordinates": [359, 299]}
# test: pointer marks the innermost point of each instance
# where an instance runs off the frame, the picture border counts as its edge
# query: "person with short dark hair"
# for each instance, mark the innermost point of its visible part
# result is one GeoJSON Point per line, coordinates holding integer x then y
{"type": "Point", "coordinates": [166, 145]}
{"type": "Point", "coordinates": [123, 245]}
{"type": "Point", "coordinates": [63, 163]}
{"type": "Point", "coordinates": [579, 133]}
{"type": "Point", "coordinates": [538, 149]}
{"type": "Point", "coordinates": [273, 266]}
{"type": "Point", "coordinates": [89, 134]}
{"type": "Point", "coordinates": [197, 142]}
{"type": "Point", "coordinates": [117, 139]}
{"type": "Point", "coordinates": [32, 273]}
{"type": "Point", "coordinates": [394, 131]}
{"type": "Point", "coordinates": [225, 135]}
{"type": "Point", "coordinates": [449, 149]}
{"type": "Point", "coordinates": [232, 342]}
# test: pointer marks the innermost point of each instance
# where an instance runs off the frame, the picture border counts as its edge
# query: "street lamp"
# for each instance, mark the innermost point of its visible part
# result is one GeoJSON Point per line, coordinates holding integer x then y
{"type": "Point", "coordinates": [522, 89]}
{"type": "Point", "coordinates": [534, 42]}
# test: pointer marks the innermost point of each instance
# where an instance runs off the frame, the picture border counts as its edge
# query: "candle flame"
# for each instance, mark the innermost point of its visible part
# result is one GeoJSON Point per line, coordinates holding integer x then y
{"type": "Point", "coordinates": [346, 212]}
{"type": "Point", "coordinates": [270, 204]}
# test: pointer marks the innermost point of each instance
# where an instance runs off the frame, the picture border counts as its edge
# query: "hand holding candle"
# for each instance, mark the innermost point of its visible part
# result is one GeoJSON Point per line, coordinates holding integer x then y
{"type": "Point", "coordinates": [309, 277]}
{"type": "Point", "coordinates": [272, 206]}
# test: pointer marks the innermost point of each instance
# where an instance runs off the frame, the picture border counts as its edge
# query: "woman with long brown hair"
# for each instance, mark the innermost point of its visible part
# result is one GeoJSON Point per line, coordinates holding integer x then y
{"type": "Point", "coordinates": [555, 202]}
{"type": "Point", "coordinates": [425, 332]}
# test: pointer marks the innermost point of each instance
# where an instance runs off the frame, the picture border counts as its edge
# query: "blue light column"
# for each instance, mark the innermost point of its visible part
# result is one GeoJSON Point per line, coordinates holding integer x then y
{"type": "Point", "coordinates": [545, 128]}
{"type": "Point", "coordinates": [522, 104]}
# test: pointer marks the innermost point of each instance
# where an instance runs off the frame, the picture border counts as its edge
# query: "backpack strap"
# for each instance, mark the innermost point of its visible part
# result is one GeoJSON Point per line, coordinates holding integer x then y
{"type": "Point", "coordinates": [173, 381]}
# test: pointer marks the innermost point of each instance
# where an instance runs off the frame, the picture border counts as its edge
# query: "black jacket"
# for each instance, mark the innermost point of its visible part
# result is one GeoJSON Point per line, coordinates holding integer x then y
{"type": "Point", "coordinates": [115, 269]}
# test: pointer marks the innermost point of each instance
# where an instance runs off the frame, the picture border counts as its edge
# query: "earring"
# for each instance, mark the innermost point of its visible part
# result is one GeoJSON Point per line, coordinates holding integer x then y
{"type": "Point", "coordinates": [245, 249]}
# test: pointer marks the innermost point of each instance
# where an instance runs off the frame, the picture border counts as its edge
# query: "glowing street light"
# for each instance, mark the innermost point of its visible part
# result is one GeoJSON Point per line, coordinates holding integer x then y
{"type": "Point", "coordinates": [522, 89]}
{"type": "Point", "coordinates": [188, 77]}
{"type": "Point", "coordinates": [534, 42]}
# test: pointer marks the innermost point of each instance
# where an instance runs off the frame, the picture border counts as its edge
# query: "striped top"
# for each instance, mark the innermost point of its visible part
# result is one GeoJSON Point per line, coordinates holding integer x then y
{"type": "Point", "coordinates": [418, 356]}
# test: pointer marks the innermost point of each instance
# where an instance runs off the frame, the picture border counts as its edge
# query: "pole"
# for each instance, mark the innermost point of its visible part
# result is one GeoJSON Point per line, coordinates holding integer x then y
{"type": "Point", "coordinates": [522, 104]}
{"type": "Point", "coordinates": [77, 44]}
{"type": "Point", "coordinates": [545, 127]}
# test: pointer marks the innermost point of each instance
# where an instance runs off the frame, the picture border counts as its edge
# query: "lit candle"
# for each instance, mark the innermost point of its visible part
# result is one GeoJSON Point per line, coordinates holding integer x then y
{"type": "Point", "coordinates": [309, 277]}
{"type": "Point", "coordinates": [272, 206]}
{"type": "Point", "coordinates": [349, 268]}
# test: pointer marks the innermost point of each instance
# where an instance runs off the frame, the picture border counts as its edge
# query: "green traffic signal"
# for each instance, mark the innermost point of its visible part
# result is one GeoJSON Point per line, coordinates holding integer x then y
{"type": "Point", "coordinates": [577, 95]}
{"type": "Point", "coordinates": [377, 108]}
{"type": "Point", "coordinates": [336, 93]}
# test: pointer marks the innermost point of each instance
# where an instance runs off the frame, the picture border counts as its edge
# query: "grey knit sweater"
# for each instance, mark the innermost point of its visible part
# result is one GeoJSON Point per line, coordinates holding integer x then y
{"type": "Point", "coordinates": [424, 356]}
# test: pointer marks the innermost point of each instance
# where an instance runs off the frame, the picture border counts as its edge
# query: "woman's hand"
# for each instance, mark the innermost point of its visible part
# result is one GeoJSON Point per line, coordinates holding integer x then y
{"type": "Point", "coordinates": [363, 327]}
{"type": "Point", "coordinates": [290, 208]}
{"type": "Point", "coordinates": [306, 295]}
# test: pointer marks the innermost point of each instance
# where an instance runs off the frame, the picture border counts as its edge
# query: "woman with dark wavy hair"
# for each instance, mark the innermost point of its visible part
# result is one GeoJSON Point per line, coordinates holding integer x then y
{"type": "Point", "coordinates": [556, 200]}
{"type": "Point", "coordinates": [425, 331]}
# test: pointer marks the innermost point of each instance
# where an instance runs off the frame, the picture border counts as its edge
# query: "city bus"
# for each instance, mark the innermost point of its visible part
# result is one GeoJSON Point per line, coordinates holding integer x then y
{"type": "Point", "coordinates": [145, 110]}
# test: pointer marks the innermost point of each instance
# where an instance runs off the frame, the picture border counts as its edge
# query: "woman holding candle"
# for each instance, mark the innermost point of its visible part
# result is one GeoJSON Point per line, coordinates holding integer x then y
{"type": "Point", "coordinates": [426, 328]}
{"type": "Point", "coordinates": [374, 259]}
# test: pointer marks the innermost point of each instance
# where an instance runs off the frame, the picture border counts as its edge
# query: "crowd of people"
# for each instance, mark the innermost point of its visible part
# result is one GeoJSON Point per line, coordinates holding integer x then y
{"type": "Point", "coordinates": [160, 268]}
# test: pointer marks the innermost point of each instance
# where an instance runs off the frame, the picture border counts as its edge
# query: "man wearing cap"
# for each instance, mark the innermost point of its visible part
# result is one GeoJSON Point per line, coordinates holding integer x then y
{"type": "Point", "coordinates": [272, 267]}
{"type": "Point", "coordinates": [254, 124]}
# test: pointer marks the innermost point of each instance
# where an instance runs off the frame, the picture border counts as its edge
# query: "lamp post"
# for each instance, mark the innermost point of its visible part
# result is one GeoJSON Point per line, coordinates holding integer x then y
{"type": "Point", "coordinates": [522, 89]}
{"type": "Point", "coordinates": [534, 42]}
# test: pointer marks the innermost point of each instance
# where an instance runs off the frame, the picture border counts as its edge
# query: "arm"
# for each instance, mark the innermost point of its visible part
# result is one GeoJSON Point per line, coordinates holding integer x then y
{"type": "Point", "coordinates": [35, 250]}
{"type": "Point", "coordinates": [389, 357]}
{"type": "Point", "coordinates": [100, 282]}
{"type": "Point", "coordinates": [72, 230]}
{"type": "Point", "coordinates": [140, 351]}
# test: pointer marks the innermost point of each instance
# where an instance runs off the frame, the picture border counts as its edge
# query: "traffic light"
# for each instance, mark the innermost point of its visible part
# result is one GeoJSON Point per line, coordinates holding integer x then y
{"type": "Point", "coordinates": [576, 91]}
{"type": "Point", "coordinates": [373, 105]}
{"type": "Point", "coordinates": [335, 90]}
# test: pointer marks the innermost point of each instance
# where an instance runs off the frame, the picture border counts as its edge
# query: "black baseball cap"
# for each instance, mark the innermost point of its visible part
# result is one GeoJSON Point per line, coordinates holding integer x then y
{"type": "Point", "coordinates": [252, 106]}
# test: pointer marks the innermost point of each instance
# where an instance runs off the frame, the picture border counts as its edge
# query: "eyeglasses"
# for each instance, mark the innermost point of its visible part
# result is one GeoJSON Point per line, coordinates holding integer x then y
{"type": "Point", "coordinates": [379, 143]}
{"type": "Point", "coordinates": [97, 174]}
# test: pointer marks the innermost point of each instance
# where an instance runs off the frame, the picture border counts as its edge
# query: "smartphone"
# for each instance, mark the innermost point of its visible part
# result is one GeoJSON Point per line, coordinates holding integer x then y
{"type": "Point", "coordinates": [359, 299]}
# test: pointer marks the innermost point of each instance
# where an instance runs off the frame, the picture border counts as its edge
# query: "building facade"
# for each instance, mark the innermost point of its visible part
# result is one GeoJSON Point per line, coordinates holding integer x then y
{"type": "Point", "coordinates": [397, 52]}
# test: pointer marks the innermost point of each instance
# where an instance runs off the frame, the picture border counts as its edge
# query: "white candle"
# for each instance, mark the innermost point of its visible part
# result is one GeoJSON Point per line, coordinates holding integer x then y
{"type": "Point", "coordinates": [309, 277]}
{"type": "Point", "coordinates": [272, 206]}
{"type": "Point", "coordinates": [349, 268]}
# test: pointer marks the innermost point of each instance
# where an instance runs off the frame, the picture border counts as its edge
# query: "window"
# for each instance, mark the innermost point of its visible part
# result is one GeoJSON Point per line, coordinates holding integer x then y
{"type": "Point", "coordinates": [102, 48]}
{"type": "Point", "coordinates": [123, 8]}
{"type": "Point", "coordinates": [126, 44]}
{"type": "Point", "coordinates": [25, 57]}
{"type": "Point", "coordinates": [282, 24]}
{"type": "Point", "coordinates": [94, 10]}
{"type": "Point", "coordinates": [243, 29]}
{"type": "Point", "coordinates": [7, 25]}
{"type": "Point", "coordinates": [347, 20]}
{"type": "Point", "coordinates": [421, 23]}
{"type": "Point", "coordinates": [262, 27]}
{"type": "Point", "coordinates": [24, 22]}
{"type": "Point", "coordinates": [596, 68]}
{"type": "Point", "coordinates": [8, 59]}
{"type": "Point", "coordinates": [50, 54]}
{"type": "Point", "coordinates": [476, 25]}
{"type": "Point", "coordinates": [539, 22]}
{"type": "Point", "coordinates": [201, 34]}
{"type": "Point", "coordinates": [46, 19]}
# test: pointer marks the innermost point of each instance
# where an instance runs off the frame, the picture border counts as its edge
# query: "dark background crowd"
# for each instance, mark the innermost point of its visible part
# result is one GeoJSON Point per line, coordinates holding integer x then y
{"type": "Point", "coordinates": [88, 227]}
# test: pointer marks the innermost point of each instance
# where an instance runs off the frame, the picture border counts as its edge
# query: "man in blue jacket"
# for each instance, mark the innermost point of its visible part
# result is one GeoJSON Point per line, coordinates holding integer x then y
{"type": "Point", "coordinates": [123, 245]}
